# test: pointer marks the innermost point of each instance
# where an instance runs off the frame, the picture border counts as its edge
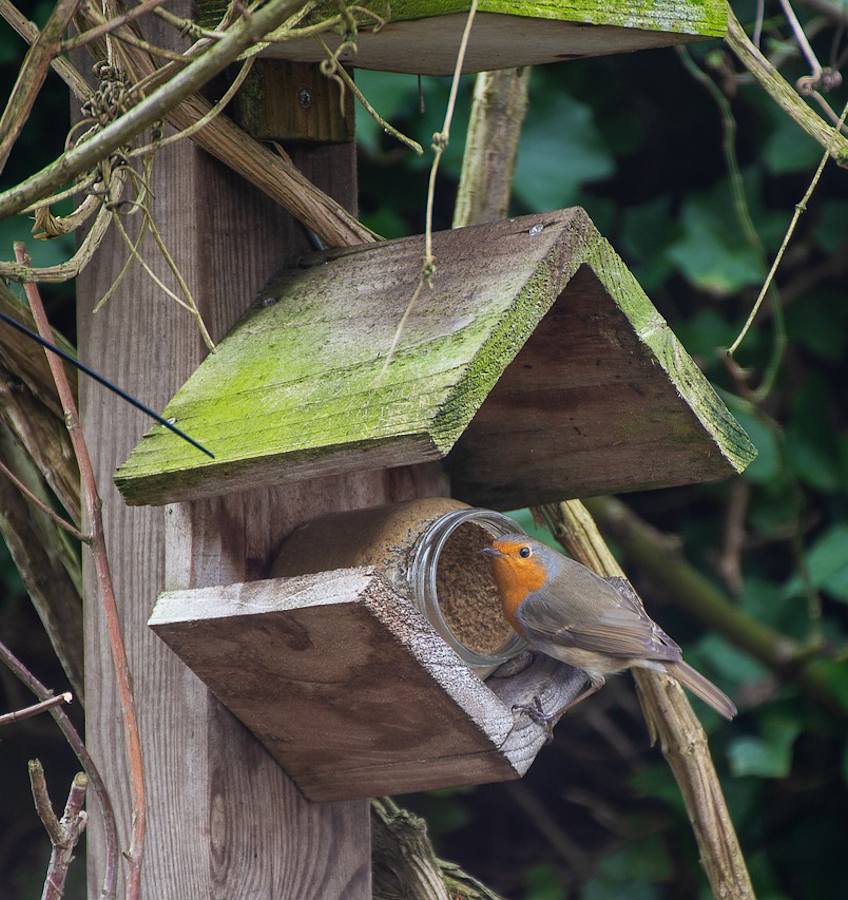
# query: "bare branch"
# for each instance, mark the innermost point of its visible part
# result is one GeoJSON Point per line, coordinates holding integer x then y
{"type": "Point", "coordinates": [782, 93]}
{"type": "Point", "coordinates": [110, 876]}
{"type": "Point", "coordinates": [51, 514]}
{"type": "Point", "coordinates": [85, 156]}
{"type": "Point", "coordinates": [108, 26]}
{"type": "Point", "coordinates": [43, 804]}
{"type": "Point", "coordinates": [32, 74]}
{"type": "Point", "coordinates": [28, 712]}
{"type": "Point", "coordinates": [63, 833]}
{"type": "Point", "coordinates": [670, 720]}
{"type": "Point", "coordinates": [106, 591]}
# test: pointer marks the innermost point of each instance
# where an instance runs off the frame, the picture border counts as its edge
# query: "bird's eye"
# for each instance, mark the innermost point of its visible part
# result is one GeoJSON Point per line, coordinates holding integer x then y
{"type": "Point", "coordinates": [524, 552]}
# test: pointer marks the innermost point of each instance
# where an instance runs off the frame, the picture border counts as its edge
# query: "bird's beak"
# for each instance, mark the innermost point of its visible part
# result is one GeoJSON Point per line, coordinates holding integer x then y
{"type": "Point", "coordinates": [491, 551]}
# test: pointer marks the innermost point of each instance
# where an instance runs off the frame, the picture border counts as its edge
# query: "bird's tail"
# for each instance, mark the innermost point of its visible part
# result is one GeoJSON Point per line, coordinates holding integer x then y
{"type": "Point", "coordinates": [702, 687]}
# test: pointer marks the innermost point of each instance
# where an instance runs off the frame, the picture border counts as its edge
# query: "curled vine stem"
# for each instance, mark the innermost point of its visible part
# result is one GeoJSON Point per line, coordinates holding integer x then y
{"type": "Point", "coordinates": [440, 143]}
{"type": "Point", "coordinates": [800, 208]}
{"type": "Point", "coordinates": [338, 72]}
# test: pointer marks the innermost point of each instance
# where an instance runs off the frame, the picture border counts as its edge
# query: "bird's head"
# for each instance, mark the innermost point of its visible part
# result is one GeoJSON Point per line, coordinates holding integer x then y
{"type": "Point", "coordinates": [520, 564]}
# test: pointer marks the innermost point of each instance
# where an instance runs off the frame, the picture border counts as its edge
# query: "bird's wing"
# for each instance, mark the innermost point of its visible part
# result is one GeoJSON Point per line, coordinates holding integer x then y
{"type": "Point", "coordinates": [584, 611]}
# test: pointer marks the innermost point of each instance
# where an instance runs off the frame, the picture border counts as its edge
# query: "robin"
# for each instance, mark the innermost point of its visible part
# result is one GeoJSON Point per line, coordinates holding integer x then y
{"type": "Point", "coordinates": [567, 611]}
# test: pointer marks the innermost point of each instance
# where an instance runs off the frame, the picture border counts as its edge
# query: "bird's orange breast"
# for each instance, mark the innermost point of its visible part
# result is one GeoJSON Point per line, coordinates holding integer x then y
{"type": "Point", "coordinates": [516, 578]}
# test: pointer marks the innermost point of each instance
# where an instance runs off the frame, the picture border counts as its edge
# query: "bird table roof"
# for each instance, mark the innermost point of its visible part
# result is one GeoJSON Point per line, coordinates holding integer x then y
{"type": "Point", "coordinates": [535, 352]}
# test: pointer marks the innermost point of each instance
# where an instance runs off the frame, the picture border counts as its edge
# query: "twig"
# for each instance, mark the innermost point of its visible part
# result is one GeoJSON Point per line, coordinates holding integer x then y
{"type": "Point", "coordinates": [28, 712]}
{"type": "Point", "coordinates": [800, 207]}
{"type": "Point", "coordinates": [110, 828]}
{"type": "Point", "coordinates": [801, 38]}
{"type": "Point", "coordinates": [105, 589]}
{"type": "Point", "coordinates": [341, 72]}
{"type": "Point", "coordinates": [32, 74]}
{"type": "Point", "coordinates": [672, 722]}
{"type": "Point", "coordinates": [669, 570]}
{"type": "Point", "coordinates": [781, 92]}
{"type": "Point", "coordinates": [109, 26]}
{"type": "Point", "coordinates": [63, 833]}
{"type": "Point", "coordinates": [43, 803]}
{"type": "Point", "coordinates": [50, 513]}
{"type": "Point", "coordinates": [440, 143]}
{"type": "Point", "coordinates": [122, 130]}
{"type": "Point", "coordinates": [743, 213]}
{"type": "Point", "coordinates": [100, 379]}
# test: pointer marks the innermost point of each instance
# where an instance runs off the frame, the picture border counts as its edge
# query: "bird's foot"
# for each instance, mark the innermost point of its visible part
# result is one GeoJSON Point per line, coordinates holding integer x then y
{"type": "Point", "coordinates": [536, 714]}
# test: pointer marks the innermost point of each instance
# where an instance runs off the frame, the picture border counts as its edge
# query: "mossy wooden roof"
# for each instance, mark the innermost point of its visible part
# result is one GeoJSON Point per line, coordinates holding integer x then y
{"type": "Point", "coordinates": [588, 388]}
{"type": "Point", "coordinates": [422, 36]}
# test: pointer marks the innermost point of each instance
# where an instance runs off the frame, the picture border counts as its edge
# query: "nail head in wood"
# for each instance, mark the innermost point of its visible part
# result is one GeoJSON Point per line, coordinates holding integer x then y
{"type": "Point", "coordinates": [289, 101]}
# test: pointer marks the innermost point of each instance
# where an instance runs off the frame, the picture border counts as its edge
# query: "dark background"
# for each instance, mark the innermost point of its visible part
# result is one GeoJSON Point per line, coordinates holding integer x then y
{"type": "Point", "coordinates": [637, 142]}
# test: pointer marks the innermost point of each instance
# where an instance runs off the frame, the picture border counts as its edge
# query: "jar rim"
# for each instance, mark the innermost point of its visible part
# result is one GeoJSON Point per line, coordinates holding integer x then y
{"type": "Point", "coordinates": [424, 567]}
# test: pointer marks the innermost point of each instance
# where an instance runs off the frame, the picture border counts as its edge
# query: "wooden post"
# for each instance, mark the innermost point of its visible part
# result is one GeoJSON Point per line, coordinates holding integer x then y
{"type": "Point", "coordinates": [223, 819]}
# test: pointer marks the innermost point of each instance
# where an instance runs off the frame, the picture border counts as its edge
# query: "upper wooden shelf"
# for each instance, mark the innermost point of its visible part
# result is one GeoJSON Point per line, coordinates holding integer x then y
{"type": "Point", "coordinates": [536, 353]}
{"type": "Point", "coordinates": [422, 36]}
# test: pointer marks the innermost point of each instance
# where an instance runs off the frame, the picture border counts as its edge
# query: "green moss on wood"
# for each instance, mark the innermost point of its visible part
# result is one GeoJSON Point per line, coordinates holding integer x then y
{"type": "Point", "coordinates": [707, 18]}
{"type": "Point", "coordinates": [296, 389]}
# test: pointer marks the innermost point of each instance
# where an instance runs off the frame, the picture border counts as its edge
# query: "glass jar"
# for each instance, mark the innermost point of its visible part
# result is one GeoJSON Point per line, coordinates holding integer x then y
{"type": "Point", "coordinates": [429, 550]}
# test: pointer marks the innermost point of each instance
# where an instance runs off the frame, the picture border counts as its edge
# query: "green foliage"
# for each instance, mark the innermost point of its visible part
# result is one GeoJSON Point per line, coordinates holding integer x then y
{"type": "Point", "coordinates": [639, 144]}
{"type": "Point", "coordinates": [769, 754]}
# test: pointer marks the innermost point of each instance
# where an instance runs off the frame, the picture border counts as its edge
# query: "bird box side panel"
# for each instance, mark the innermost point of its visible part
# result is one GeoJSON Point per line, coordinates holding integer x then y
{"type": "Point", "coordinates": [602, 398]}
{"type": "Point", "coordinates": [342, 680]}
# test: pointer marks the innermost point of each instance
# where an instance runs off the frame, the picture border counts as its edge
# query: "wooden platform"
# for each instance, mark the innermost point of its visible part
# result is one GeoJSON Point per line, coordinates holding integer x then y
{"type": "Point", "coordinates": [351, 690]}
{"type": "Point", "coordinates": [535, 338]}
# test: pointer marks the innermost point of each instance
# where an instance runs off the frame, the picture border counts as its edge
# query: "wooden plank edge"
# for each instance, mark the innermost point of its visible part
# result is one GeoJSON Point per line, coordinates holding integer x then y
{"type": "Point", "coordinates": [715, 419]}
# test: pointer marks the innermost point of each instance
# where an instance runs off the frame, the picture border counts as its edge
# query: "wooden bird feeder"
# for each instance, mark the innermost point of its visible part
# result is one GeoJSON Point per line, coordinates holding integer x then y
{"type": "Point", "coordinates": [422, 36]}
{"type": "Point", "coordinates": [536, 368]}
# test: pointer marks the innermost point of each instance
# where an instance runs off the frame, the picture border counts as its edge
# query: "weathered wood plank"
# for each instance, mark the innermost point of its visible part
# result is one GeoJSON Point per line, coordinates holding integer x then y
{"type": "Point", "coordinates": [296, 389]}
{"type": "Point", "coordinates": [422, 36]}
{"type": "Point", "coordinates": [350, 688]}
{"type": "Point", "coordinates": [287, 101]}
{"type": "Point", "coordinates": [223, 820]}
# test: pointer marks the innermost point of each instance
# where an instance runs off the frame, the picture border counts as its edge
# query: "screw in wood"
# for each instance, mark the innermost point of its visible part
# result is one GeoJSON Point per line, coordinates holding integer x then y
{"type": "Point", "coordinates": [304, 98]}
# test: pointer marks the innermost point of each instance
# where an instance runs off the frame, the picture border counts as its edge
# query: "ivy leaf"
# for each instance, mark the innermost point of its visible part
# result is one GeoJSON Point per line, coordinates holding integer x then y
{"type": "Point", "coordinates": [560, 150]}
{"type": "Point", "coordinates": [766, 756]}
{"type": "Point", "coordinates": [827, 564]}
{"type": "Point", "coordinates": [713, 252]}
{"type": "Point", "coordinates": [768, 463]}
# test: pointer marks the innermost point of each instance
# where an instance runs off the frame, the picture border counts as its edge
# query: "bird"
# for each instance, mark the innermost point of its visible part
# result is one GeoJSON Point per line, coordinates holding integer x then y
{"type": "Point", "coordinates": [567, 611]}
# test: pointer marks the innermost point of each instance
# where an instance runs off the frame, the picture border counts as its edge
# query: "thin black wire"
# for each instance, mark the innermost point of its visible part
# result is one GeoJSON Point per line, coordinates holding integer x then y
{"type": "Point", "coordinates": [10, 320]}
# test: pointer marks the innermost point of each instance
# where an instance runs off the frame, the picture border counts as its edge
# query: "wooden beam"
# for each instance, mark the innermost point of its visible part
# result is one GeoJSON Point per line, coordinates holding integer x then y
{"type": "Point", "coordinates": [422, 36]}
{"type": "Point", "coordinates": [223, 819]}
{"type": "Point", "coordinates": [288, 101]}
{"type": "Point", "coordinates": [349, 687]}
{"type": "Point", "coordinates": [297, 389]}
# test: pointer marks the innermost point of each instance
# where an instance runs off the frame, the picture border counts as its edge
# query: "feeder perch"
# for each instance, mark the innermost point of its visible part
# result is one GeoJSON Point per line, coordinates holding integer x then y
{"type": "Point", "coordinates": [422, 36]}
{"type": "Point", "coordinates": [536, 365]}
{"type": "Point", "coordinates": [348, 687]}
